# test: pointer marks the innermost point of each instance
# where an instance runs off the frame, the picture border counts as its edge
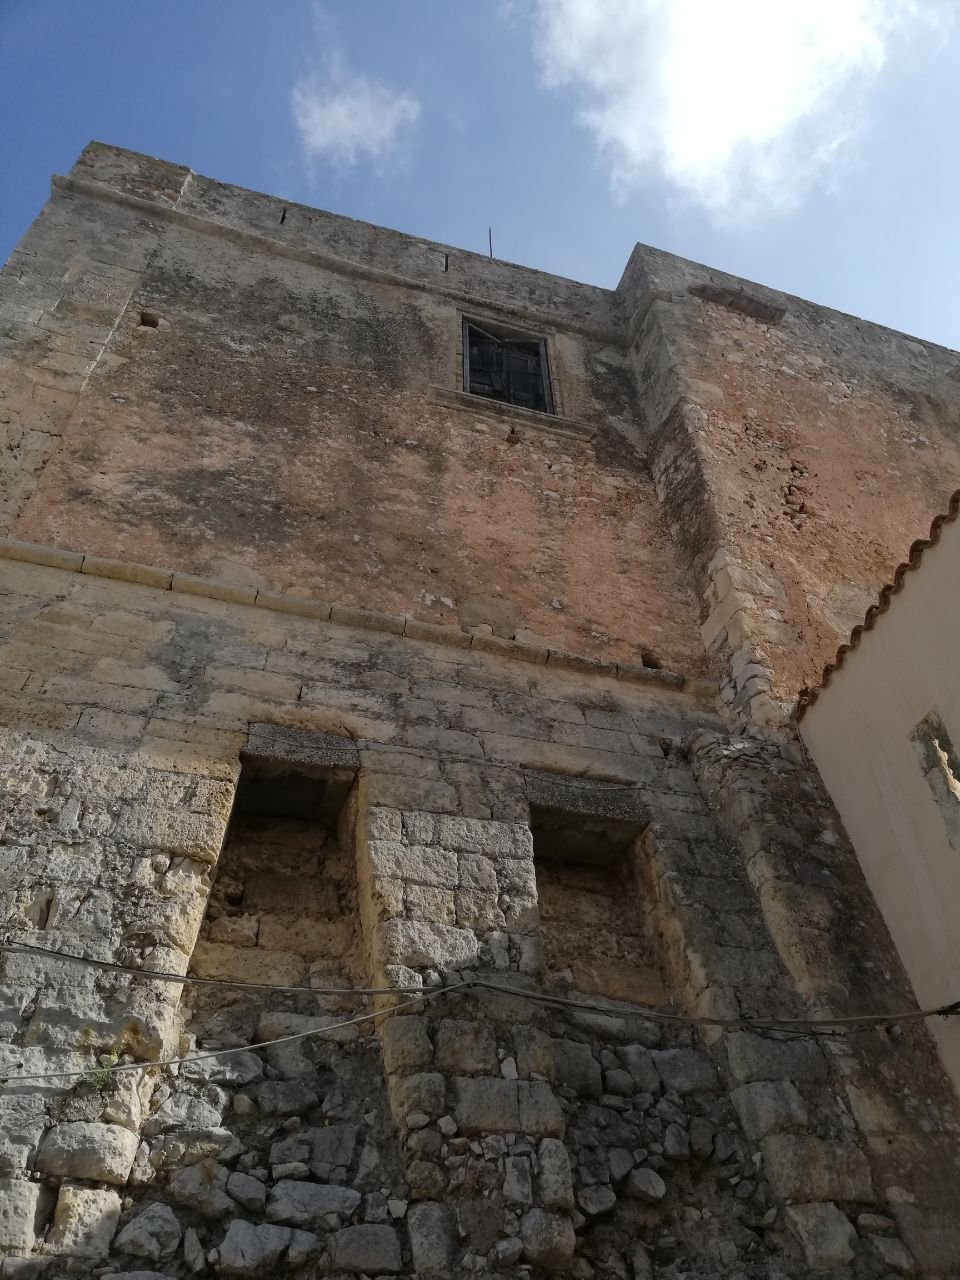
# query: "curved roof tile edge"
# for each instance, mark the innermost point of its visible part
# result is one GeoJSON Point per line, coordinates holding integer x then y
{"type": "Point", "coordinates": [808, 695]}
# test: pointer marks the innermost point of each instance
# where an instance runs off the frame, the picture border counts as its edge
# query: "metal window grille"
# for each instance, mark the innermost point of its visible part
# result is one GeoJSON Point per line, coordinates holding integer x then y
{"type": "Point", "coordinates": [506, 368]}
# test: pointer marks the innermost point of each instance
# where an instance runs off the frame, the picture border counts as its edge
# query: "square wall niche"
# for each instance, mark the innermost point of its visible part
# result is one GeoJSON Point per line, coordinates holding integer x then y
{"type": "Point", "coordinates": [596, 920]}
{"type": "Point", "coordinates": [283, 906]}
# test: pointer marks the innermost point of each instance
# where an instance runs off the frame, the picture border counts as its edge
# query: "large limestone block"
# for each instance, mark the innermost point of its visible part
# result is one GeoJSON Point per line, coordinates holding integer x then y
{"type": "Point", "coordinates": [414, 864]}
{"type": "Point", "coordinates": [251, 1250]}
{"type": "Point", "coordinates": [84, 1222]}
{"type": "Point", "coordinates": [22, 1122]}
{"type": "Point", "coordinates": [548, 1239]}
{"type": "Point", "coordinates": [203, 1187]}
{"type": "Point", "coordinates": [486, 1105]}
{"type": "Point", "coordinates": [306, 1204]}
{"type": "Point", "coordinates": [768, 1105]}
{"type": "Point", "coordinates": [417, 944]}
{"type": "Point", "coordinates": [433, 1238]}
{"type": "Point", "coordinates": [685, 1070]}
{"type": "Point", "coordinates": [154, 1233]}
{"type": "Point", "coordinates": [556, 1175]}
{"type": "Point", "coordinates": [753, 1057]}
{"type": "Point", "coordinates": [22, 1208]}
{"type": "Point", "coordinates": [811, 1169]}
{"type": "Point", "coordinates": [465, 1047]}
{"type": "Point", "coordinates": [577, 1068]}
{"type": "Point", "coordinates": [406, 1044]}
{"type": "Point", "coordinates": [371, 1249]}
{"type": "Point", "coordinates": [826, 1235]}
{"type": "Point", "coordinates": [98, 1152]}
{"type": "Point", "coordinates": [540, 1112]}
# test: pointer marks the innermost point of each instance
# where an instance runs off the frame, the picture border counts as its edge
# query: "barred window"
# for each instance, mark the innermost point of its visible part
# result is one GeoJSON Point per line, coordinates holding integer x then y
{"type": "Point", "coordinates": [506, 366]}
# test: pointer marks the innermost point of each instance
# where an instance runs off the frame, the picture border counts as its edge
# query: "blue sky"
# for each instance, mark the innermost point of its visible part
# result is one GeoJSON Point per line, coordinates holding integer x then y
{"type": "Point", "coordinates": [809, 144]}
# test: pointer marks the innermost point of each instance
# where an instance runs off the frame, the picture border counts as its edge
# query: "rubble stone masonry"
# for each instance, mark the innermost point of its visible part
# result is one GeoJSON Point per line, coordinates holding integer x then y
{"type": "Point", "coordinates": [353, 698]}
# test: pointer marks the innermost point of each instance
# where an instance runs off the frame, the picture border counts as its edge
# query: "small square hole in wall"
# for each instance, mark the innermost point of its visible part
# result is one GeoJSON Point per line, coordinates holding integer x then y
{"type": "Point", "coordinates": [150, 319]}
{"type": "Point", "coordinates": [597, 930]}
{"type": "Point", "coordinates": [940, 766]}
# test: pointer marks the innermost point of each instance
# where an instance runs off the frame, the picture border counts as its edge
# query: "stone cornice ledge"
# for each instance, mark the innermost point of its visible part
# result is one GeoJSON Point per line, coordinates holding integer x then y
{"type": "Point", "coordinates": [343, 615]}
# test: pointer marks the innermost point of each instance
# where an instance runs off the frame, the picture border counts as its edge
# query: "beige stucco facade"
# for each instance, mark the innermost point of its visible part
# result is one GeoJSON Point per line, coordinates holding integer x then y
{"type": "Point", "coordinates": [860, 733]}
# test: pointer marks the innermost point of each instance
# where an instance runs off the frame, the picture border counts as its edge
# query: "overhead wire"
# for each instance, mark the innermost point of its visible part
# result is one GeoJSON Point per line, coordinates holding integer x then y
{"type": "Point", "coordinates": [795, 1026]}
{"type": "Point", "coordinates": [429, 994]}
{"type": "Point", "coordinates": [166, 975]}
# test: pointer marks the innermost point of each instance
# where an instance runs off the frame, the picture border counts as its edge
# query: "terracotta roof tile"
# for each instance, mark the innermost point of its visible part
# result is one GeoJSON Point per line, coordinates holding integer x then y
{"type": "Point", "coordinates": [808, 696]}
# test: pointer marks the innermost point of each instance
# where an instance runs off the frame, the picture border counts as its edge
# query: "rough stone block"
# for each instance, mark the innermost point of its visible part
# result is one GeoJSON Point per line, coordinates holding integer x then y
{"type": "Point", "coordinates": [333, 1148]}
{"type": "Point", "coordinates": [548, 1239]}
{"type": "Point", "coordinates": [534, 1052]}
{"type": "Point", "coordinates": [84, 1222]}
{"type": "Point", "coordinates": [22, 1207]}
{"type": "Point", "coordinates": [433, 1238]}
{"type": "Point", "coordinates": [487, 1106]}
{"type": "Point", "coordinates": [419, 945]}
{"type": "Point", "coordinates": [494, 839]}
{"type": "Point", "coordinates": [825, 1235]}
{"type": "Point", "coordinates": [639, 1062]}
{"type": "Point", "coordinates": [369, 1248]}
{"type": "Point", "coordinates": [418, 864]}
{"type": "Point", "coordinates": [810, 1169]}
{"type": "Point", "coordinates": [465, 1046]}
{"type": "Point", "coordinates": [556, 1175]}
{"type": "Point", "coordinates": [98, 1152]}
{"type": "Point", "coordinates": [154, 1233]}
{"type": "Point", "coordinates": [540, 1112]}
{"type": "Point", "coordinates": [424, 1092]}
{"type": "Point", "coordinates": [202, 1187]}
{"type": "Point", "coordinates": [685, 1070]}
{"type": "Point", "coordinates": [577, 1068]}
{"type": "Point", "coordinates": [252, 1250]}
{"type": "Point", "coordinates": [753, 1057]}
{"type": "Point", "coordinates": [768, 1105]}
{"type": "Point", "coordinates": [405, 1043]}
{"type": "Point", "coordinates": [306, 1204]}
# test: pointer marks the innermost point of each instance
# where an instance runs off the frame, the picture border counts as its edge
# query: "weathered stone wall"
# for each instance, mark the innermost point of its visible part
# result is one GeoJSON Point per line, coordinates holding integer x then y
{"type": "Point", "coordinates": [797, 452]}
{"type": "Point", "coordinates": [340, 346]}
{"type": "Point", "coordinates": [460, 800]}
{"type": "Point", "coordinates": [475, 1132]}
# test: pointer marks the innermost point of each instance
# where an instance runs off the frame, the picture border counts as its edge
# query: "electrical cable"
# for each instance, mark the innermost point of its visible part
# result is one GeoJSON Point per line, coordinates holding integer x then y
{"type": "Point", "coordinates": [653, 1015]}
{"type": "Point", "coordinates": [692, 1020]}
{"type": "Point", "coordinates": [165, 975]}
{"type": "Point", "coordinates": [223, 1053]}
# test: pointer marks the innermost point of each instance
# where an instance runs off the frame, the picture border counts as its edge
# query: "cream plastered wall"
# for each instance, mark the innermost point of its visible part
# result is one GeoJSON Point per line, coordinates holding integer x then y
{"type": "Point", "coordinates": [859, 734]}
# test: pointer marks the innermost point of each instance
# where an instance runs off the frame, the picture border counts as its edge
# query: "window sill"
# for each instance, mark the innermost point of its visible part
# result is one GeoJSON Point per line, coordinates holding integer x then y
{"type": "Point", "coordinates": [513, 414]}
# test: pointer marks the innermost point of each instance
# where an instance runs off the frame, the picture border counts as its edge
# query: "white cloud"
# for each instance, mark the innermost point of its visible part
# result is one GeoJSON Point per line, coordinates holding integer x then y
{"type": "Point", "coordinates": [345, 117]}
{"type": "Point", "coordinates": [739, 104]}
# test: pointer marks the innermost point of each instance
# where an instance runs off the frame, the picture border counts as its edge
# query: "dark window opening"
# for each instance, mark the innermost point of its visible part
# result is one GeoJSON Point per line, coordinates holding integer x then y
{"type": "Point", "coordinates": [507, 367]}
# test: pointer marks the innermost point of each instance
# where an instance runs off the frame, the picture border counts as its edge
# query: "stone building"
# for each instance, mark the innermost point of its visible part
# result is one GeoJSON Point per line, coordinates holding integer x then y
{"type": "Point", "coordinates": [401, 645]}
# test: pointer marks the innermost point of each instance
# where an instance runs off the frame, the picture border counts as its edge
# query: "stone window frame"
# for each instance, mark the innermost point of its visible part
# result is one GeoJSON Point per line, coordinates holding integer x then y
{"type": "Point", "coordinates": [510, 327]}
{"type": "Point", "coordinates": [500, 331]}
{"type": "Point", "coordinates": [940, 766]}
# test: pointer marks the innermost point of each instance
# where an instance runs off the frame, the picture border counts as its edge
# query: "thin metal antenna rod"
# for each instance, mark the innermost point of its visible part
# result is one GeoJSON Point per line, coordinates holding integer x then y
{"type": "Point", "coordinates": [490, 238]}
